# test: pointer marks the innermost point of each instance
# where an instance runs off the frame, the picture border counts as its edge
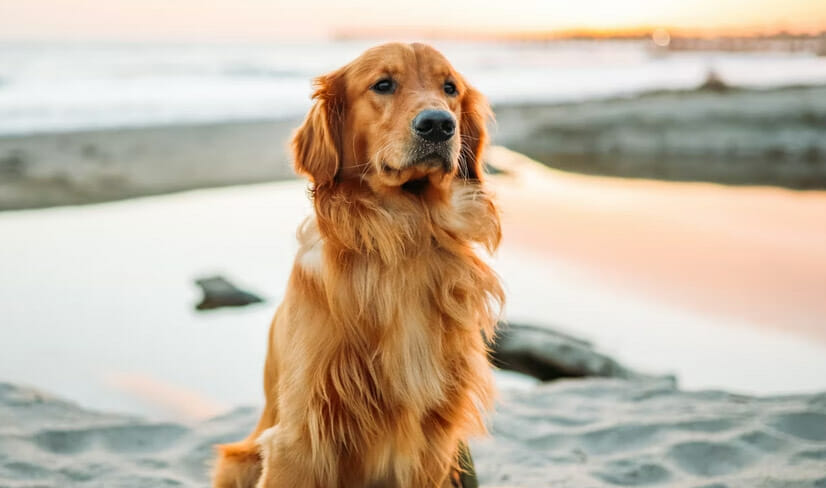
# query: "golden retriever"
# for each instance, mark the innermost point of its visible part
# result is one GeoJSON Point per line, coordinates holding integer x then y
{"type": "Point", "coordinates": [377, 368]}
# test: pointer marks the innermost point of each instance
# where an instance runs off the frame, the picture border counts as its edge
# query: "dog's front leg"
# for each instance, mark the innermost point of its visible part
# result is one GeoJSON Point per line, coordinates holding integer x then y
{"type": "Point", "coordinates": [436, 466]}
{"type": "Point", "coordinates": [285, 465]}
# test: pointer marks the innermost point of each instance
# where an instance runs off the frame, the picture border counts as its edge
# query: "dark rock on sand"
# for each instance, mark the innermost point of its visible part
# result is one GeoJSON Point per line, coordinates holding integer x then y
{"type": "Point", "coordinates": [548, 355]}
{"type": "Point", "coordinates": [218, 293]}
{"type": "Point", "coordinates": [12, 164]}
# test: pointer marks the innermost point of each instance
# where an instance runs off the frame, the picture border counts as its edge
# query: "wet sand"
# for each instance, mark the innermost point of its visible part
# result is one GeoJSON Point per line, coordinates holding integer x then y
{"type": "Point", "coordinates": [72, 168]}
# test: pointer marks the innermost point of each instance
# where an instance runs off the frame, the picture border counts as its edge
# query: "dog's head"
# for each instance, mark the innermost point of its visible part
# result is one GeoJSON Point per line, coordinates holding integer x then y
{"type": "Point", "coordinates": [398, 116]}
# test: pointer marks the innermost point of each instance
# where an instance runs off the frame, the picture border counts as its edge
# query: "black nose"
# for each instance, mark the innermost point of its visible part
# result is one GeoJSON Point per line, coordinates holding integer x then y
{"type": "Point", "coordinates": [434, 125]}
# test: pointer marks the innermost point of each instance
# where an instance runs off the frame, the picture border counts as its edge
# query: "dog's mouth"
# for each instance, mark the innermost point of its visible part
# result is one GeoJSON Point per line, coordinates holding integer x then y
{"type": "Point", "coordinates": [416, 186]}
{"type": "Point", "coordinates": [413, 179]}
{"type": "Point", "coordinates": [435, 160]}
{"type": "Point", "coordinates": [418, 173]}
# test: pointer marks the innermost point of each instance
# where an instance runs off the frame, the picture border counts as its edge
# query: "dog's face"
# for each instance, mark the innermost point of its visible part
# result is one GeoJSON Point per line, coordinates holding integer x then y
{"type": "Point", "coordinates": [397, 116]}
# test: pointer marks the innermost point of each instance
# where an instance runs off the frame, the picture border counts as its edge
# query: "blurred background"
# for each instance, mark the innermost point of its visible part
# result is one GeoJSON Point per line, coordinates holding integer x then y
{"type": "Point", "coordinates": [680, 225]}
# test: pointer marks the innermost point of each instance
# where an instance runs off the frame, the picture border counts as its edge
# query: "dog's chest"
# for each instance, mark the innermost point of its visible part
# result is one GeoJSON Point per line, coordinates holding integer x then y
{"type": "Point", "coordinates": [410, 330]}
{"type": "Point", "coordinates": [411, 358]}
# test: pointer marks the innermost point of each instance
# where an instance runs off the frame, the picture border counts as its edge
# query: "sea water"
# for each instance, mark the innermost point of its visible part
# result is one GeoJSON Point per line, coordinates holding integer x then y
{"type": "Point", "coordinates": [48, 87]}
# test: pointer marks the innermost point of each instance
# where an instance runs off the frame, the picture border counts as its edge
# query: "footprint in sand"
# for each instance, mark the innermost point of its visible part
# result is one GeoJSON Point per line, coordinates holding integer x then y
{"type": "Point", "coordinates": [813, 455]}
{"type": "Point", "coordinates": [711, 459]}
{"type": "Point", "coordinates": [805, 425]}
{"type": "Point", "coordinates": [632, 472]}
{"type": "Point", "coordinates": [707, 425]}
{"type": "Point", "coordinates": [763, 441]}
{"type": "Point", "coordinates": [122, 438]}
{"type": "Point", "coordinates": [23, 470]}
{"type": "Point", "coordinates": [619, 438]}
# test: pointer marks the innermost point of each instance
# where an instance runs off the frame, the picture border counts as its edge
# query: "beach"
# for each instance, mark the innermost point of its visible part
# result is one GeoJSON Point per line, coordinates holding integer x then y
{"type": "Point", "coordinates": [667, 240]}
{"type": "Point", "coordinates": [730, 135]}
{"type": "Point", "coordinates": [572, 434]}
{"type": "Point", "coordinates": [182, 396]}
{"type": "Point", "coordinates": [66, 168]}
{"type": "Point", "coordinates": [650, 299]}
{"type": "Point", "coordinates": [121, 334]}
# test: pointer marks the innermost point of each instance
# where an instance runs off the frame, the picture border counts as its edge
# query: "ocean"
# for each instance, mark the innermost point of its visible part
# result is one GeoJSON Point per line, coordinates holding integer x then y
{"type": "Point", "coordinates": [56, 87]}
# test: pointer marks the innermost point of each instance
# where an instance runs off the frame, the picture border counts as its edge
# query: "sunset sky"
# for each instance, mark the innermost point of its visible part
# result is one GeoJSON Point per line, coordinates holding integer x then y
{"type": "Point", "coordinates": [271, 19]}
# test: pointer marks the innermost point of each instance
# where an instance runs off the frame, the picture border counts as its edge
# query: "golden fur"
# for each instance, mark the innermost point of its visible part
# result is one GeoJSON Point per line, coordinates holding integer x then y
{"type": "Point", "coordinates": [377, 365]}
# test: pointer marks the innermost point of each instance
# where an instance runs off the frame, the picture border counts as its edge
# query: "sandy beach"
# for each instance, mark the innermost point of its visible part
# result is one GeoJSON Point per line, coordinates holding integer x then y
{"type": "Point", "coordinates": [67, 168]}
{"type": "Point", "coordinates": [733, 136]}
{"type": "Point", "coordinates": [712, 295]}
{"type": "Point", "coordinates": [118, 333]}
{"type": "Point", "coordinates": [571, 434]}
{"type": "Point", "coordinates": [659, 167]}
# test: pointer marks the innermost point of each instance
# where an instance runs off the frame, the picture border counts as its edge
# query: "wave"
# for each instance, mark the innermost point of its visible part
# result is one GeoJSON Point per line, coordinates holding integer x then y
{"type": "Point", "coordinates": [52, 88]}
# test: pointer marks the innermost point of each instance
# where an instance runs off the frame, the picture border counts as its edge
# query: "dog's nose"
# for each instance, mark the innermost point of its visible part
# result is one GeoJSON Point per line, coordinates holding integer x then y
{"type": "Point", "coordinates": [434, 125]}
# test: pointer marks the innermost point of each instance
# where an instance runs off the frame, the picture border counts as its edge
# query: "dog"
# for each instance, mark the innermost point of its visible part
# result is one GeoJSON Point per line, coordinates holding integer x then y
{"type": "Point", "coordinates": [377, 368]}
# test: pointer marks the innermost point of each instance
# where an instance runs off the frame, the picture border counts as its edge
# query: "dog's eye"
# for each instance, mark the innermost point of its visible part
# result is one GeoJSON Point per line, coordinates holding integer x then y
{"type": "Point", "coordinates": [384, 86]}
{"type": "Point", "coordinates": [450, 88]}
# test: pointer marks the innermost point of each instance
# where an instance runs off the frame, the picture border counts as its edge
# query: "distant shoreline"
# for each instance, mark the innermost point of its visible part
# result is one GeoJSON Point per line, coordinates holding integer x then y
{"type": "Point", "coordinates": [734, 136]}
{"type": "Point", "coordinates": [88, 166]}
{"type": "Point", "coordinates": [720, 134]}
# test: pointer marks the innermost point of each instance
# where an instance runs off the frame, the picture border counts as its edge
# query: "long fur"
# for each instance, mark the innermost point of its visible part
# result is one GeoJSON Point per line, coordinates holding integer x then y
{"type": "Point", "coordinates": [377, 366]}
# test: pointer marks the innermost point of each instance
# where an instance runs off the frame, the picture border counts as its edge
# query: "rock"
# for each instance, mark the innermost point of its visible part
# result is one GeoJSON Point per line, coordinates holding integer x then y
{"type": "Point", "coordinates": [13, 164]}
{"type": "Point", "coordinates": [714, 83]}
{"type": "Point", "coordinates": [218, 293]}
{"type": "Point", "coordinates": [548, 355]}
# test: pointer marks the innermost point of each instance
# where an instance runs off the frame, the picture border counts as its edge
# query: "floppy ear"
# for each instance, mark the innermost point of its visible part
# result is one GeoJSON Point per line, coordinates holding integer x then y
{"type": "Point", "coordinates": [316, 143]}
{"type": "Point", "coordinates": [473, 130]}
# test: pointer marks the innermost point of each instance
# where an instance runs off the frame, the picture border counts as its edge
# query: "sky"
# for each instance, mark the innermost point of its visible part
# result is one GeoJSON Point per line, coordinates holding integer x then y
{"type": "Point", "coordinates": [278, 19]}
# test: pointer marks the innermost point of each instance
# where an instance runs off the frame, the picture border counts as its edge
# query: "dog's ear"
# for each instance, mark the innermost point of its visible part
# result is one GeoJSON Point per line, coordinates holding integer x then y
{"type": "Point", "coordinates": [473, 129]}
{"type": "Point", "coordinates": [316, 144]}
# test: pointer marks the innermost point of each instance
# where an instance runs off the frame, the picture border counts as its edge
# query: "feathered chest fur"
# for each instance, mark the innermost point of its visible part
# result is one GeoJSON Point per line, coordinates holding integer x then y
{"type": "Point", "coordinates": [408, 303]}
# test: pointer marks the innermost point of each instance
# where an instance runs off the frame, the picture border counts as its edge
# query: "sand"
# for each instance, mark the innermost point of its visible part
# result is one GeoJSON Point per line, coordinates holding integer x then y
{"type": "Point", "coordinates": [569, 434]}
{"type": "Point", "coordinates": [734, 136]}
{"type": "Point", "coordinates": [65, 168]}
